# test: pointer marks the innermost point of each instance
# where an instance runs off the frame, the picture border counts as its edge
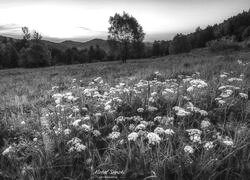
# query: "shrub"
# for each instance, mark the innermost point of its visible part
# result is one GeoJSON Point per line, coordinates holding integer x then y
{"type": "Point", "coordinates": [221, 45]}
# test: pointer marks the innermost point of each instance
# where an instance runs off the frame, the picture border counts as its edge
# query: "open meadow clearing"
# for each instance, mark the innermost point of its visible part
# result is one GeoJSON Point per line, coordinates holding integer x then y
{"type": "Point", "coordinates": [176, 117]}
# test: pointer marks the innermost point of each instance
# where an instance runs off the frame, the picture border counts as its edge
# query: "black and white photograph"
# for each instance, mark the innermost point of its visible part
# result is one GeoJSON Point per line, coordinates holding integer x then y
{"type": "Point", "coordinates": [124, 89]}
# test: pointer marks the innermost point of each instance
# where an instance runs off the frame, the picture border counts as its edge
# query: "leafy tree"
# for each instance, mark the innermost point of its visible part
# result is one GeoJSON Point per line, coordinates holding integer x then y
{"type": "Point", "coordinates": [36, 36]}
{"type": "Point", "coordinates": [180, 44]}
{"type": "Point", "coordinates": [37, 55]}
{"type": "Point", "coordinates": [26, 33]}
{"type": "Point", "coordinates": [126, 31]}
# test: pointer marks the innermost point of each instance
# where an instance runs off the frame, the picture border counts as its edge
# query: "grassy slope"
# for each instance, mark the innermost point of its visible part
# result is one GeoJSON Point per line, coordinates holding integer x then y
{"type": "Point", "coordinates": [28, 86]}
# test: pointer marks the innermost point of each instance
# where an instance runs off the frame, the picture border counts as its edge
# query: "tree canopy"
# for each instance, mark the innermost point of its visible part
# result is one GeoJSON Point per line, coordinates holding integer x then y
{"type": "Point", "coordinates": [125, 30]}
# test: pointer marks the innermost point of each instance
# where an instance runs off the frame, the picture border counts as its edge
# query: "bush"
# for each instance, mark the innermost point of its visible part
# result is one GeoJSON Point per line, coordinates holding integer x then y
{"type": "Point", "coordinates": [221, 45]}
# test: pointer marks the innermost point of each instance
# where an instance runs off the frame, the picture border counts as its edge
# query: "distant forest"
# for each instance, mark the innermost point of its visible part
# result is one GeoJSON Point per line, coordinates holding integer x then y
{"type": "Point", "coordinates": [31, 51]}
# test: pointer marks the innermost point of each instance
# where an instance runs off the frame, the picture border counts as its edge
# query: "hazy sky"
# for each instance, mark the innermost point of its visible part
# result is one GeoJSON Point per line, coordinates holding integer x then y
{"type": "Point", "coordinates": [86, 19]}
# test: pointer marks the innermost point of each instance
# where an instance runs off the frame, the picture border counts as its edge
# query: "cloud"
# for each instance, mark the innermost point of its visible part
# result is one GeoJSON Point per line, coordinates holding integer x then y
{"type": "Point", "coordinates": [10, 28]}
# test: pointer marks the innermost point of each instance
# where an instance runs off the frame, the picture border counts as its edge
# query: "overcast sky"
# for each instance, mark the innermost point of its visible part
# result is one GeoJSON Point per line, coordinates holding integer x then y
{"type": "Point", "coordinates": [82, 20]}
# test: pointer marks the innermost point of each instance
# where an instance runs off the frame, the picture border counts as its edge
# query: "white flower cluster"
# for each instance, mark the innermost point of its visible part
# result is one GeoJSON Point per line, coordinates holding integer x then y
{"type": "Point", "coordinates": [75, 145]}
{"type": "Point", "coordinates": [208, 145]}
{"type": "Point", "coordinates": [243, 95]}
{"type": "Point", "coordinates": [153, 138]}
{"type": "Point", "coordinates": [205, 124]}
{"type": "Point", "coordinates": [133, 136]}
{"type": "Point", "coordinates": [227, 93]}
{"type": "Point", "coordinates": [194, 135]}
{"type": "Point", "coordinates": [181, 111]}
{"type": "Point", "coordinates": [7, 150]}
{"type": "Point", "coordinates": [114, 135]}
{"type": "Point", "coordinates": [189, 149]}
{"type": "Point", "coordinates": [67, 96]}
{"type": "Point", "coordinates": [159, 131]}
{"type": "Point", "coordinates": [196, 84]}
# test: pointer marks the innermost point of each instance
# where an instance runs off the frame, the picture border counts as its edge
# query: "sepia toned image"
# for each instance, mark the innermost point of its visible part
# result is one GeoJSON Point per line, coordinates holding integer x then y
{"type": "Point", "coordinates": [124, 89]}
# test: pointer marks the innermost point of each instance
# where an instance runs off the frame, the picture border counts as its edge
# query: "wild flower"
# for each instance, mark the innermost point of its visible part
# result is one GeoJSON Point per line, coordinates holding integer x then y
{"type": "Point", "coordinates": [85, 127]}
{"type": "Point", "coordinates": [131, 127]}
{"type": "Point", "coordinates": [153, 94]}
{"type": "Point", "coordinates": [205, 124]}
{"type": "Point", "coordinates": [167, 120]}
{"type": "Point", "coordinates": [85, 109]}
{"type": "Point", "coordinates": [235, 79]}
{"type": "Point", "coordinates": [194, 131]}
{"type": "Point", "coordinates": [140, 110]}
{"type": "Point", "coordinates": [98, 114]}
{"type": "Point", "coordinates": [75, 145]}
{"type": "Point", "coordinates": [75, 109]}
{"type": "Point", "coordinates": [228, 87]}
{"type": "Point", "coordinates": [86, 118]}
{"type": "Point", "coordinates": [120, 119]}
{"type": "Point", "coordinates": [227, 93]}
{"type": "Point", "coordinates": [241, 63]}
{"type": "Point", "coordinates": [203, 112]}
{"type": "Point", "coordinates": [152, 108]}
{"type": "Point", "coordinates": [98, 80]}
{"type": "Point", "coordinates": [159, 131]}
{"type": "Point", "coordinates": [153, 138]}
{"type": "Point", "coordinates": [133, 136]}
{"type": "Point", "coordinates": [140, 127]}
{"type": "Point", "coordinates": [115, 128]}
{"type": "Point", "coordinates": [96, 133]}
{"type": "Point", "coordinates": [107, 107]}
{"type": "Point", "coordinates": [151, 99]}
{"type": "Point", "coordinates": [181, 112]}
{"type": "Point", "coordinates": [169, 132]}
{"type": "Point", "coordinates": [158, 118]}
{"type": "Point", "coordinates": [243, 95]}
{"type": "Point", "coordinates": [227, 141]}
{"type": "Point", "coordinates": [7, 150]}
{"type": "Point", "coordinates": [220, 101]}
{"type": "Point", "coordinates": [194, 135]}
{"type": "Point", "coordinates": [223, 75]}
{"type": "Point", "coordinates": [208, 145]}
{"type": "Point", "coordinates": [167, 91]}
{"type": "Point", "coordinates": [76, 122]}
{"type": "Point", "coordinates": [198, 83]}
{"type": "Point", "coordinates": [114, 135]}
{"type": "Point", "coordinates": [67, 131]}
{"type": "Point", "coordinates": [137, 118]}
{"type": "Point", "coordinates": [157, 73]}
{"type": "Point", "coordinates": [189, 149]}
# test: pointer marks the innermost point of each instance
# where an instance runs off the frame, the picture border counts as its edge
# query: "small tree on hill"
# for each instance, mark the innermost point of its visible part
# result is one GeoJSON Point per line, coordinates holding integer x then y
{"type": "Point", "coordinates": [125, 30]}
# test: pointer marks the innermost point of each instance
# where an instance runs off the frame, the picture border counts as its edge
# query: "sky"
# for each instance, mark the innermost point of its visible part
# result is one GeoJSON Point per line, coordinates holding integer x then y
{"type": "Point", "coordinates": [82, 20]}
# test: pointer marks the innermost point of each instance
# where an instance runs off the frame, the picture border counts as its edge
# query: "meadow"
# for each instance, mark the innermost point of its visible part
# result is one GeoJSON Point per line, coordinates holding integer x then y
{"type": "Point", "coordinates": [176, 117]}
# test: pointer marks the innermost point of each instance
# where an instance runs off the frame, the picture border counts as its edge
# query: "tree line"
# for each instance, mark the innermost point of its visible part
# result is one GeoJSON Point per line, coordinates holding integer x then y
{"type": "Point", "coordinates": [125, 40]}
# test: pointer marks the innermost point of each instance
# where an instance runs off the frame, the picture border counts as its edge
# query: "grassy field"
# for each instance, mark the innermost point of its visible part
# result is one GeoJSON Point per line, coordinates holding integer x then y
{"type": "Point", "coordinates": [31, 122]}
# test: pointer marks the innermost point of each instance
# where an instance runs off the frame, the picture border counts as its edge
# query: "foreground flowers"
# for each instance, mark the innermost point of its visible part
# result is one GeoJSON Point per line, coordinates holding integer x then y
{"type": "Point", "coordinates": [158, 121]}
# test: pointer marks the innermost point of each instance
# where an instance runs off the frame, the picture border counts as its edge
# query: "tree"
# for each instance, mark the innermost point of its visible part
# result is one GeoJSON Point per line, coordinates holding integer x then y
{"type": "Point", "coordinates": [180, 44]}
{"type": "Point", "coordinates": [26, 33]}
{"type": "Point", "coordinates": [37, 55]}
{"type": "Point", "coordinates": [36, 36]}
{"type": "Point", "coordinates": [126, 31]}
